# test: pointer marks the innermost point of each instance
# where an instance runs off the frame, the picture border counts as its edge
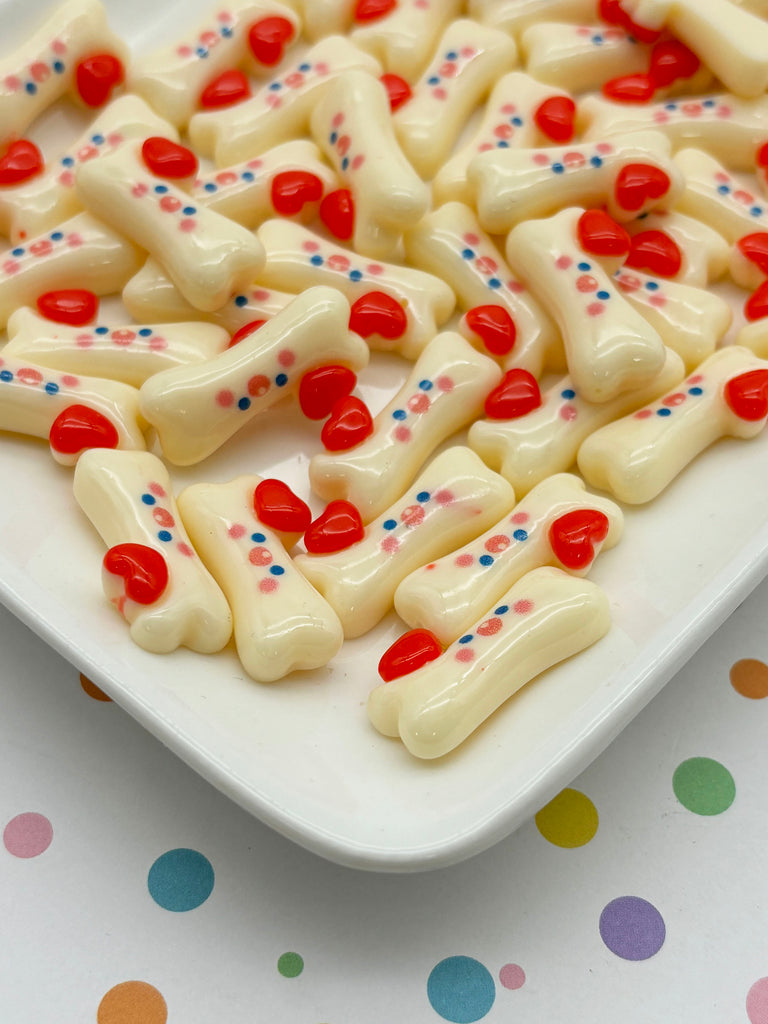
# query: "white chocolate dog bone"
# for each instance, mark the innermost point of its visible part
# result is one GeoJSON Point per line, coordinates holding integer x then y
{"type": "Point", "coordinates": [704, 252]}
{"type": "Point", "coordinates": [558, 523]}
{"type": "Point", "coordinates": [195, 409]}
{"type": "Point", "coordinates": [172, 78]}
{"type": "Point", "coordinates": [468, 60]}
{"type": "Point", "coordinates": [298, 258]}
{"type": "Point", "coordinates": [80, 249]}
{"type": "Point", "coordinates": [514, 16]}
{"type": "Point", "coordinates": [748, 262]}
{"type": "Point", "coordinates": [581, 58]}
{"type": "Point", "coordinates": [405, 38]}
{"type": "Point", "coordinates": [128, 353]}
{"type": "Point", "coordinates": [353, 126]}
{"type": "Point", "coordinates": [629, 174]}
{"type": "Point", "coordinates": [324, 17]}
{"type": "Point", "coordinates": [609, 347]}
{"type": "Point", "coordinates": [727, 127]}
{"type": "Point", "coordinates": [443, 393]}
{"type": "Point", "coordinates": [281, 623]}
{"type": "Point", "coordinates": [546, 440]}
{"type": "Point", "coordinates": [280, 110]}
{"type": "Point", "coordinates": [545, 617]}
{"type": "Point", "coordinates": [128, 498]}
{"type": "Point", "coordinates": [713, 195]}
{"type": "Point", "coordinates": [450, 244]}
{"type": "Point", "coordinates": [754, 336]}
{"type": "Point", "coordinates": [208, 256]}
{"type": "Point", "coordinates": [636, 457]}
{"type": "Point", "coordinates": [455, 498]}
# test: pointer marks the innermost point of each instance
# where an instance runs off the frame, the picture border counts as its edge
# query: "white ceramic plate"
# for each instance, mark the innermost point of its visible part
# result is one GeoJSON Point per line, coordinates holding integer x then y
{"type": "Point", "coordinates": [300, 754]}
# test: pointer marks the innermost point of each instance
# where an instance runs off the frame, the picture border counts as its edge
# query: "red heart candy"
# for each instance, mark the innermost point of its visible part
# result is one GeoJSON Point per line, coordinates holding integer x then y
{"type": "Point", "coordinates": [398, 90]}
{"type": "Point", "coordinates": [21, 161]}
{"type": "Point", "coordinates": [277, 507]}
{"type": "Point", "coordinates": [671, 60]}
{"type": "Point", "coordinates": [600, 235]}
{"type": "Point", "coordinates": [655, 252]}
{"type": "Point", "coordinates": [96, 77]}
{"type": "Point", "coordinates": [494, 327]}
{"type": "Point", "coordinates": [377, 313]}
{"type": "Point", "coordinates": [370, 10]}
{"type": "Point", "coordinates": [338, 527]}
{"type": "Point", "coordinates": [573, 536]}
{"type": "Point", "coordinates": [637, 183]}
{"type": "Point", "coordinates": [637, 88]}
{"type": "Point", "coordinates": [409, 652]}
{"type": "Point", "coordinates": [612, 12]}
{"type": "Point", "coordinates": [320, 389]}
{"type": "Point", "coordinates": [517, 394]}
{"type": "Point", "coordinates": [229, 87]}
{"type": "Point", "coordinates": [245, 331]}
{"type": "Point", "coordinates": [756, 306]}
{"type": "Point", "coordinates": [350, 423]}
{"type": "Point", "coordinates": [556, 118]}
{"type": "Point", "coordinates": [755, 248]}
{"type": "Point", "coordinates": [75, 306]}
{"type": "Point", "coordinates": [168, 159]}
{"type": "Point", "coordinates": [143, 568]}
{"type": "Point", "coordinates": [337, 212]}
{"type": "Point", "coordinates": [79, 427]}
{"type": "Point", "coordinates": [747, 395]}
{"type": "Point", "coordinates": [761, 157]}
{"type": "Point", "coordinates": [292, 190]}
{"type": "Point", "coordinates": [267, 39]}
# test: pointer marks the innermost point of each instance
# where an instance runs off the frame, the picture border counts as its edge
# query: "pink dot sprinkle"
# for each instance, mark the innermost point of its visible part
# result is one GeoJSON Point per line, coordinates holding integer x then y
{"type": "Point", "coordinates": [444, 497]}
{"type": "Point", "coordinates": [419, 403]}
{"type": "Point", "coordinates": [744, 197]}
{"type": "Point", "coordinates": [209, 38]}
{"type": "Point", "coordinates": [157, 344]}
{"type": "Point", "coordinates": [338, 262]}
{"type": "Point", "coordinates": [504, 131]}
{"type": "Point", "coordinates": [163, 517]}
{"type": "Point", "coordinates": [661, 117]}
{"type": "Point", "coordinates": [28, 835]}
{"type": "Point", "coordinates": [358, 161]}
{"type": "Point", "coordinates": [519, 517]}
{"type": "Point", "coordinates": [465, 654]}
{"type": "Point", "coordinates": [84, 340]}
{"type": "Point", "coordinates": [123, 336]}
{"type": "Point", "coordinates": [188, 224]}
{"type": "Point", "coordinates": [343, 143]}
{"type": "Point", "coordinates": [321, 68]}
{"type": "Point", "coordinates": [268, 585]}
{"type": "Point", "coordinates": [236, 531]}
{"type": "Point", "coordinates": [273, 101]}
{"type": "Point", "coordinates": [59, 46]}
{"type": "Point", "coordinates": [70, 381]}
{"type": "Point", "coordinates": [658, 300]}
{"type": "Point", "coordinates": [444, 383]}
{"type": "Point", "coordinates": [586, 283]}
{"type": "Point", "coordinates": [261, 294]}
{"type": "Point", "coordinates": [692, 109]}
{"type": "Point", "coordinates": [390, 545]}
{"type": "Point", "coordinates": [697, 378]}
{"type": "Point", "coordinates": [574, 159]}
{"type": "Point", "coordinates": [184, 50]}
{"type": "Point", "coordinates": [516, 287]}
{"type": "Point", "coordinates": [286, 357]}
{"type": "Point", "coordinates": [225, 398]}
{"type": "Point", "coordinates": [643, 414]}
{"type": "Point", "coordinates": [11, 267]}
{"type": "Point", "coordinates": [86, 153]}
{"type": "Point", "coordinates": [310, 246]}
{"type": "Point", "coordinates": [568, 413]}
{"type": "Point", "coordinates": [156, 488]}
{"type": "Point", "coordinates": [448, 69]}
{"type": "Point", "coordinates": [226, 178]}
{"type": "Point", "coordinates": [490, 627]}
{"type": "Point", "coordinates": [139, 189]}
{"type": "Point", "coordinates": [541, 159]}
{"type": "Point", "coordinates": [375, 269]}
{"type": "Point", "coordinates": [486, 265]}
{"type": "Point", "coordinates": [39, 71]}
{"type": "Point", "coordinates": [12, 83]}
{"type": "Point", "coordinates": [672, 400]}
{"type": "Point", "coordinates": [254, 164]}
{"type": "Point", "coordinates": [260, 556]}
{"type": "Point", "coordinates": [170, 204]}
{"type": "Point", "coordinates": [629, 283]}
{"type": "Point", "coordinates": [28, 375]}
{"type": "Point", "coordinates": [402, 434]}
{"type": "Point", "coordinates": [294, 80]}
{"type": "Point", "coordinates": [508, 108]}
{"type": "Point", "coordinates": [604, 147]}
{"type": "Point", "coordinates": [563, 262]}
{"type": "Point", "coordinates": [498, 543]}
{"type": "Point", "coordinates": [595, 308]}
{"type": "Point", "coordinates": [724, 112]}
{"type": "Point", "coordinates": [463, 561]}
{"type": "Point", "coordinates": [584, 30]}
{"type": "Point", "coordinates": [471, 238]}
{"type": "Point", "coordinates": [413, 515]}
{"type": "Point", "coordinates": [67, 179]}
{"type": "Point", "coordinates": [522, 607]}
{"type": "Point", "coordinates": [224, 17]}
{"type": "Point", "coordinates": [184, 549]}
{"type": "Point", "coordinates": [468, 51]}
{"type": "Point", "coordinates": [41, 248]}
{"type": "Point", "coordinates": [337, 120]}
{"type": "Point", "coordinates": [440, 93]}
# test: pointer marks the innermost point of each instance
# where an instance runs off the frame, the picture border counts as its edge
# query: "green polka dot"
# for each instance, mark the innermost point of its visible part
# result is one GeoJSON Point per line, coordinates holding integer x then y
{"type": "Point", "coordinates": [290, 965]}
{"type": "Point", "coordinates": [704, 786]}
{"type": "Point", "coordinates": [569, 820]}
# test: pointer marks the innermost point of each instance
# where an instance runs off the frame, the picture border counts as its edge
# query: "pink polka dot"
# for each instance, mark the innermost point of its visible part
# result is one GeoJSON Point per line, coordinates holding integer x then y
{"type": "Point", "coordinates": [310, 246]}
{"type": "Point", "coordinates": [743, 197]}
{"type": "Point", "coordinates": [123, 337]}
{"type": "Point", "coordinates": [12, 83]}
{"type": "Point", "coordinates": [258, 385]}
{"type": "Point", "coordinates": [225, 398]}
{"type": "Point", "coordinates": [658, 300]}
{"type": "Point", "coordinates": [584, 30]}
{"type": "Point", "coordinates": [358, 161]}
{"type": "Point", "coordinates": [463, 561]}
{"type": "Point", "coordinates": [419, 403]}
{"type": "Point", "coordinates": [490, 627]}
{"type": "Point", "coordinates": [604, 147]}
{"type": "Point", "coordinates": [541, 159]}
{"type": "Point", "coordinates": [209, 38]}
{"type": "Point", "coordinates": [512, 976]}
{"type": "Point", "coordinates": [757, 1002]}
{"type": "Point", "coordinates": [413, 515]}
{"type": "Point", "coordinates": [59, 46]}
{"type": "Point", "coordinates": [563, 262]}
{"type": "Point", "coordinates": [39, 71]}
{"type": "Point", "coordinates": [390, 545]}
{"type": "Point", "coordinates": [375, 269]}
{"type": "Point", "coordinates": [672, 400]}
{"type": "Point", "coordinates": [586, 283]}
{"type": "Point", "coordinates": [508, 108]}
{"type": "Point", "coordinates": [268, 585]}
{"type": "Point", "coordinates": [139, 189]}
{"type": "Point", "coordinates": [294, 80]}
{"type": "Point", "coordinates": [184, 50]}
{"type": "Point", "coordinates": [343, 143]}
{"type": "Point", "coordinates": [568, 413]}
{"type": "Point", "coordinates": [499, 542]}
{"type": "Point", "coordinates": [170, 204]}
{"type": "Point", "coordinates": [444, 497]}
{"type": "Point", "coordinates": [503, 131]}
{"type": "Point", "coordinates": [439, 93]}
{"type": "Point", "coordinates": [338, 120]}
{"type": "Point", "coordinates": [339, 262]}
{"type": "Point", "coordinates": [574, 159]}
{"type": "Point", "coordinates": [260, 556]}
{"type": "Point", "coordinates": [522, 607]}
{"type": "Point", "coordinates": [286, 357]}
{"type": "Point", "coordinates": [402, 434]}
{"type": "Point", "coordinates": [321, 68]}
{"type": "Point", "coordinates": [157, 489]}
{"type": "Point", "coordinates": [74, 240]}
{"type": "Point", "coordinates": [448, 69]}
{"type": "Point", "coordinates": [444, 383]}
{"type": "Point", "coordinates": [471, 238]}
{"type": "Point", "coordinates": [67, 179]}
{"type": "Point", "coordinates": [692, 109]}
{"type": "Point", "coordinates": [254, 164]}
{"type": "Point", "coordinates": [661, 117]}
{"type": "Point", "coordinates": [697, 378]}
{"type": "Point", "coordinates": [724, 112]}
{"type": "Point", "coordinates": [86, 153]}
{"type": "Point", "coordinates": [28, 835]}
{"type": "Point", "coordinates": [188, 224]}
{"type": "Point", "coordinates": [69, 380]}
{"type": "Point", "coordinates": [629, 283]}
{"type": "Point", "coordinates": [185, 549]}
{"type": "Point", "coordinates": [163, 517]}
{"type": "Point", "coordinates": [224, 17]}
{"type": "Point", "coordinates": [468, 51]}
{"type": "Point", "coordinates": [519, 517]}
{"type": "Point", "coordinates": [28, 375]}
{"type": "Point", "coordinates": [465, 654]}
{"type": "Point", "coordinates": [157, 344]}
{"type": "Point", "coordinates": [273, 101]}
{"type": "Point", "coordinates": [595, 308]}
{"type": "Point", "coordinates": [486, 265]}
{"type": "Point", "coordinates": [84, 340]}
{"type": "Point", "coordinates": [236, 531]}
{"type": "Point", "coordinates": [41, 248]}
{"type": "Point", "coordinates": [643, 414]}
{"type": "Point", "coordinates": [261, 294]}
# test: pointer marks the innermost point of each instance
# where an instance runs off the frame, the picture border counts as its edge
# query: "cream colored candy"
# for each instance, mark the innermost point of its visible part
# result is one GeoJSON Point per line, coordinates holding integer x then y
{"type": "Point", "coordinates": [546, 440]}
{"type": "Point", "coordinates": [705, 253]}
{"type": "Point", "coordinates": [79, 251]}
{"type": "Point", "coordinates": [514, 16]}
{"type": "Point", "coordinates": [43, 69]}
{"type": "Point", "coordinates": [513, 185]}
{"type": "Point", "coordinates": [298, 258]}
{"type": "Point", "coordinates": [454, 498]}
{"type": "Point", "coordinates": [743, 270]}
{"type": "Point", "coordinates": [545, 617]}
{"type": "Point", "coordinates": [195, 409]}
{"type": "Point", "coordinates": [281, 623]}
{"type": "Point", "coordinates": [754, 336]}
{"type": "Point", "coordinates": [280, 109]}
{"type": "Point", "coordinates": [353, 126]}
{"type": "Point", "coordinates": [448, 595]}
{"type": "Point", "coordinates": [727, 127]}
{"type": "Point", "coordinates": [581, 57]}
{"type": "Point", "coordinates": [130, 353]}
{"type": "Point", "coordinates": [209, 257]}
{"type": "Point", "coordinates": [609, 347]}
{"type": "Point", "coordinates": [636, 457]}
{"type": "Point", "coordinates": [758, 7]}
{"type": "Point", "coordinates": [128, 498]}
{"type": "Point", "coordinates": [444, 392]}
{"type": "Point", "coordinates": [714, 196]}
{"type": "Point", "coordinates": [405, 38]}
{"type": "Point", "coordinates": [450, 244]}
{"type": "Point", "coordinates": [173, 77]}
{"type": "Point", "coordinates": [324, 17]}
{"type": "Point", "coordinates": [468, 60]}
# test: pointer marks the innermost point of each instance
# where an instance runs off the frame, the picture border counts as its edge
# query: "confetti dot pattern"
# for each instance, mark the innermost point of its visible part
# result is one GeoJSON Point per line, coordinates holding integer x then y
{"type": "Point", "coordinates": [704, 786]}
{"type": "Point", "coordinates": [132, 1002]}
{"type": "Point", "coordinates": [570, 820]}
{"type": "Point", "coordinates": [749, 677]}
{"type": "Point", "coordinates": [757, 1002]}
{"type": "Point", "coordinates": [461, 989]}
{"type": "Point", "coordinates": [512, 976]}
{"type": "Point", "coordinates": [28, 835]}
{"type": "Point", "coordinates": [180, 880]}
{"type": "Point", "coordinates": [290, 965]}
{"type": "Point", "coordinates": [632, 928]}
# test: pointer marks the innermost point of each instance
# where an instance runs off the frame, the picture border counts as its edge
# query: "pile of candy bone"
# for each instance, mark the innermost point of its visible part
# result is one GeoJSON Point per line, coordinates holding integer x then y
{"type": "Point", "coordinates": [338, 180]}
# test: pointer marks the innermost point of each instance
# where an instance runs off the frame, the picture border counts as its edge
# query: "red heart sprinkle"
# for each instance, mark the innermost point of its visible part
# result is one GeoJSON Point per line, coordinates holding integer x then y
{"type": "Point", "coordinates": [229, 87]}
{"type": "Point", "coordinates": [267, 38]}
{"type": "Point", "coordinates": [409, 652]}
{"type": "Point", "coordinates": [349, 424]}
{"type": "Point", "coordinates": [494, 327]}
{"type": "Point", "coordinates": [671, 60]}
{"type": "Point", "coordinates": [292, 190]}
{"type": "Point", "coordinates": [277, 507]}
{"type": "Point", "coordinates": [320, 389]}
{"type": "Point", "coordinates": [637, 183]}
{"type": "Point", "coordinates": [517, 394]}
{"type": "Point", "coordinates": [75, 306]}
{"type": "Point", "coordinates": [168, 159]}
{"type": "Point", "coordinates": [655, 252]}
{"type": "Point", "coordinates": [637, 88]}
{"type": "Point", "coordinates": [378, 313]}
{"type": "Point", "coordinates": [96, 77]}
{"type": "Point", "coordinates": [612, 12]}
{"type": "Point", "coordinates": [755, 248]}
{"type": "Point", "coordinates": [556, 117]}
{"type": "Point", "coordinates": [600, 235]}
{"type": "Point", "coordinates": [245, 331]}
{"type": "Point", "coordinates": [21, 161]}
{"type": "Point", "coordinates": [143, 568]}
{"type": "Point", "coordinates": [747, 395]}
{"type": "Point", "coordinates": [573, 536]}
{"type": "Point", "coordinates": [338, 527]}
{"type": "Point", "coordinates": [337, 212]}
{"type": "Point", "coordinates": [370, 10]}
{"type": "Point", "coordinates": [756, 306]}
{"type": "Point", "coordinates": [762, 155]}
{"type": "Point", "coordinates": [79, 427]}
{"type": "Point", "coordinates": [398, 90]}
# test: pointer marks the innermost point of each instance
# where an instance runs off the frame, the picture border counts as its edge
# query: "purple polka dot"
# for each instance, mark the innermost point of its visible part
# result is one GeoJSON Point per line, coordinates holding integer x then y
{"type": "Point", "coordinates": [632, 928]}
{"type": "Point", "coordinates": [28, 835]}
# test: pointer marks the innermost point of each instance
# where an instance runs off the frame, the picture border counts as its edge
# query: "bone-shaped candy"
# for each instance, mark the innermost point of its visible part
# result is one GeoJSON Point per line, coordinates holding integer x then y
{"type": "Point", "coordinates": [629, 174]}
{"type": "Point", "coordinates": [454, 498]}
{"type": "Point", "coordinates": [469, 58]}
{"type": "Point", "coordinates": [443, 393]}
{"type": "Point", "coordinates": [195, 409]}
{"type": "Point", "coordinates": [714, 196]}
{"type": "Point", "coordinates": [609, 347]}
{"type": "Point", "coordinates": [748, 261]}
{"type": "Point", "coordinates": [542, 619]}
{"type": "Point", "coordinates": [280, 109]}
{"type": "Point", "coordinates": [516, 15]}
{"type": "Point", "coordinates": [81, 249]}
{"type": "Point", "coordinates": [581, 57]}
{"type": "Point", "coordinates": [405, 38]}
{"type": "Point", "coordinates": [130, 353]}
{"type": "Point", "coordinates": [298, 258]}
{"type": "Point", "coordinates": [324, 17]}
{"type": "Point", "coordinates": [727, 127]}
{"type": "Point", "coordinates": [281, 623]}
{"type": "Point", "coordinates": [209, 257]}
{"type": "Point", "coordinates": [546, 440]}
{"type": "Point", "coordinates": [173, 77]}
{"type": "Point", "coordinates": [558, 523]}
{"type": "Point", "coordinates": [704, 252]}
{"type": "Point", "coordinates": [128, 498]}
{"type": "Point", "coordinates": [754, 336]}
{"type": "Point", "coordinates": [450, 244]}
{"type": "Point", "coordinates": [353, 126]}
{"type": "Point", "coordinates": [44, 68]}
{"type": "Point", "coordinates": [636, 457]}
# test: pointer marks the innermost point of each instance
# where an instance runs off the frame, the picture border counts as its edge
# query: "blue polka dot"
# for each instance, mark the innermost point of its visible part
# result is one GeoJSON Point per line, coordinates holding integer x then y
{"type": "Point", "coordinates": [209, 186]}
{"type": "Point", "coordinates": [58, 66]}
{"type": "Point", "coordinates": [433, 80]}
{"type": "Point", "coordinates": [558, 168]}
{"type": "Point", "coordinates": [241, 300]}
{"type": "Point", "coordinates": [596, 161]}
{"type": "Point", "coordinates": [332, 138]}
{"type": "Point", "coordinates": [603, 295]}
{"type": "Point", "coordinates": [425, 385]}
{"type": "Point", "coordinates": [597, 40]}
{"type": "Point", "coordinates": [355, 275]}
{"type": "Point", "coordinates": [756, 211]}
{"type": "Point", "coordinates": [708, 103]}
{"type": "Point", "coordinates": [189, 210]}
{"type": "Point", "coordinates": [6, 375]}
{"type": "Point", "coordinates": [226, 31]}
{"type": "Point", "coordinates": [51, 388]}
{"type": "Point", "coordinates": [568, 393]}
{"type": "Point", "coordinates": [244, 403]}
{"type": "Point", "coordinates": [276, 570]}
{"type": "Point", "coordinates": [165, 535]}
{"type": "Point", "coordinates": [516, 121]}
{"type": "Point", "coordinates": [502, 144]}
{"type": "Point", "coordinates": [494, 283]}
{"type": "Point", "coordinates": [180, 880]}
{"type": "Point", "coordinates": [17, 252]}
{"type": "Point", "coordinates": [281, 380]}
{"type": "Point", "coordinates": [468, 254]}
{"type": "Point", "coordinates": [274, 86]}
{"type": "Point", "coordinates": [485, 560]}
{"type": "Point", "coordinates": [101, 330]}
{"type": "Point", "coordinates": [584, 267]}
{"type": "Point", "coordinates": [670, 106]}
{"type": "Point", "coordinates": [466, 639]}
{"type": "Point", "coordinates": [389, 524]}
{"type": "Point", "coordinates": [247, 175]}
{"type": "Point", "coordinates": [68, 161]}
{"type": "Point", "coordinates": [145, 332]}
{"type": "Point", "coordinates": [161, 189]}
{"type": "Point", "coordinates": [461, 990]}
{"type": "Point", "coordinates": [399, 414]}
{"type": "Point", "coordinates": [696, 392]}
{"type": "Point", "coordinates": [451, 55]}
{"type": "Point", "coordinates": [148, 499]}
{"type": "Point", "coordinates": [664, 412]}
{"type": "Point", "coordinates": [345, 163]}
{"type": "Point", "coordinates": [305, 67]}
{"type": "Point", "coordinates": [56, 236]}
{"type": "Point", "coordinates": [422, 496]}
{"type": "Point", "coordinates": [201, 52]}
{"type": "Point", "coordinates": [652, 286]}
{"type": "Point", "coordinates": [259, 538]}
{"type": "Point", "coordinates": [31, 88]}
{"type": "Point", "coordinates": [520, 535]}
{"type": "Point", "coordinates": [723, 189]}
{"type": "Point", "coordinates": [501, 610]}
{"type": "Point", "coordinates": [316, 260]}
{"type": "Point", "coordinates": [97, 140]}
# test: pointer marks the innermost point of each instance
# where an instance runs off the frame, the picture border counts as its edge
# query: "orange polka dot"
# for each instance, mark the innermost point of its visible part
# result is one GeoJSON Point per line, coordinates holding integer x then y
{"type": "Point", "coordinates": [749, 677]}
{"type": "Point", "coordinates": [132, 1002]}
{"type": "Point", "coordinates": [92, 689]}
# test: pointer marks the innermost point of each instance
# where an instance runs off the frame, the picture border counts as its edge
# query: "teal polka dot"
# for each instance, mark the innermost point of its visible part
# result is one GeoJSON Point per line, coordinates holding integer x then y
{"type": "Point", "coordinates": [461, 990]}
{"type": "Point", "coordinates": [180, 880]}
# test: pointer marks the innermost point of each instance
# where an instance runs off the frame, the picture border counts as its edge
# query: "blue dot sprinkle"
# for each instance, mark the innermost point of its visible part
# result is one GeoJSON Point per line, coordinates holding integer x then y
{"type": "Point", "coordinates": [422, 496]}
{"type": "Point", "coordinates": [244, 403]}
{"type": "Point", "coordinates": [305, 67]}
{"type": "Point", "coordinates": [145, 332]}
{"type": "Point", "coordinates": [468, 254]}
{"type": "Point", "coordinates": [670, 106]}
{"type": "Point", "coordinates": [6, 375]}
{"type": "Point", "coordinates": [652, 286]}
{"type": "Point", "coordinates": [31, 88]}
{"type": "Point", "coordinates": [568, 393]}
{"type": "Point", "coordinates": [584, 267]}
{"type": "Point", "coordinates": [226, 31]}
{"type": "Point", "coordinates": [502, 144]}
{"type": "Point", "coordinates": [57, 236]}
{"type": "Point", "coordinates": [51, 388]}
{"type": "Point", "coordinates": [452, 55]}
{"type": "Point", "coordinates": [58, 66]}
{"type": "Point", "coordinates": [756, 211]}
{"type": "Point", "coordinates": [399, 414]}
{"type": "Point", "coordinates": [355, 275]}
{"type": "Point", "coordinates": [209, 186]}
{"type": "Point", "coordinates": [664, 412]}
{"type": "Point", "coordinates": [332, 138]}
{"type": "Point", "coordinates": [485, 560]}
{"type": "Point", "coordinates": [247, 175]}
{"type": "Point", "coordinates": [597, 40]}
{"type": "Point", "coordinates": [148, 499]}
{"type": "Point", "coordinates": [345, 163]}
{"type": "Point", "coordinates": [68, 161]}
{"type": "Point", "coordinates": [708, 103]}
{"type": "Point", "coordinates": [520, 535]}
{"type": "Point", "coordinates": [596, 161]}
{"type": "Point", "coordinates": [161, 189]}
{"type": "Point", "coordinates": [316, 260]}
{"type": "Point", "coordinates": [433, 80]}
{"type": "Point", "coordinates": [723, 189]}
{"type": "Point", "coordinates": [696, 391]}
{"type": "Point", "coordinates": [467, 639]}
{"type": "Point", "coordinates": [494, 282]}
{"type": "Point", "coordinates": [241, 300]}
{"type": "Point", "coordinates": [101, 330]}
{"type": "Point", "coordinates": [201, 52]}
{"type": "Point", "coordinates": [189, 210]}
{"type": "Point", "coordinates": [259, 538]}
{"type": "Point", "coordinates": [97, 140]}
{"type": "Point", "coordinates": [502, 609]}
{"type": "Point", "coordinates": [17, 252]}
{"type": "Point", "coordinates": [165, 535]}
{"type": "Point", "coordinates": [281, 380]}
{"type": "Point", "coordinates": [558, 168]}
{"type": "Point", "coordinates": [274, 86]}
{"type": "Point", "coordinates": [516, 121]}
{"type": "Point", "coordinates": [425, 385]}
{"type": "Point", "coordinates": [603, 295]}
{"type": "Point", "coordinates": [389, 524]}
{"type": "Point", "coordinates": [276, 570]}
